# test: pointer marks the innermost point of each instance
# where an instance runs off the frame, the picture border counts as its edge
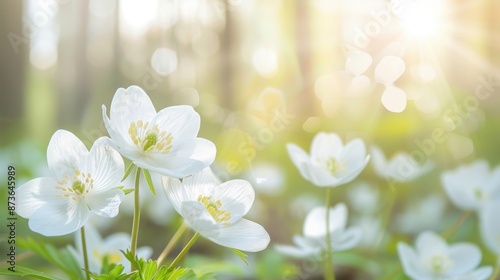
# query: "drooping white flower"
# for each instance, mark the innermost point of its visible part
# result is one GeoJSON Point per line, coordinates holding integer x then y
{"type": "Point", "coordinates": [490, 227]}
{"type": "Point", "coordinates": [330, 163]}
{"type": "Point", "coordinates": [433, 258]}
{"type": "Point", "coordinates": [472, 186]}
{"type": "Point", "coordinates": [313, 241]}
{"type": "Point", "coordinates": [82, 182]}
{"type": "Point", "coordinates": [165, 142]}
{"type": "Point", "coordinates": [400, 167]}
{"type": "Point", "coordinates": [98, 249]}
{"type": "Point", "coordinates": [215, 210]}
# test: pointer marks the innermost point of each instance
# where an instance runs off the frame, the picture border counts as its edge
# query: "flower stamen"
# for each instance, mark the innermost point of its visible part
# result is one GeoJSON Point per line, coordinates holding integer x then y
{"type": "Point", "coordinates": [213, 208]}
{"type": "Point", "coordinates": [150, 139]}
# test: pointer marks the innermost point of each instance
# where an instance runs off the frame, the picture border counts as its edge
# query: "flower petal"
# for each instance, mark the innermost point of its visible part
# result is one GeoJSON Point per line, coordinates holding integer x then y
{"type": "Point", "coordinates": [35, 194]}
{"type": "Point", "coordinates": [187, 158]}
{"type": "Point", "coordinates": [325, 145]}
{"type": "Point", "coordinates": [411, 262]}
{"type": "Point", "coordinates": [490, 227]}
{"type": "Point", "coordinates": [296, 252]}
{"type": "Point", "coordinates": [482, 273]}
{"type": "Point", "coordinates": [59, 218]}
{"type": "Point", "coordinates": [429, 242]}
{"type": "Point", "coordinates": [379, 161]}
{"type": "Point", "coordinates": [315, 222]}
{"type": "Point", "coordinates": [105, 203]}
{"type": "Point", "coordinates": [347, 240]}
{"type": "Point", "coordinates": [243, 235]}
{"type": "Point", "coordinates": [105, 165]}
{"type": "Point", "coordinates": [465, 257]}
{"type": "Point", "coordinates": [182, 121]}
{"type": "Point", "coordinates": [236, 196]}
{"type": "Point", "coordinates": [197, 216]}
{"type": "Point", "coordinates": [65, 154]}
{"type": "Point", "coordinates": [174, 191]}
{"type": "Point", "coordinates": [297, 154]}
{"type": "Point", "coordinates": [129, 105]}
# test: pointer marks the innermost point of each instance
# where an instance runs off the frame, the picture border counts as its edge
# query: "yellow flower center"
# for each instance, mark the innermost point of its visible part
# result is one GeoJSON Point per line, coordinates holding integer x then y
{"type": "Point", "coordinates": [150, 139]}
{"type": "Point", "coordinates": [80, 185]}
{"type": "Point", "coordinates": [334, 166]}
{"type": "Point", "coordinates": [439, 263]}
{"type": "Point", "coordinates": [112, 257]}
{"type": "Point", "coordinates": [213, 208]}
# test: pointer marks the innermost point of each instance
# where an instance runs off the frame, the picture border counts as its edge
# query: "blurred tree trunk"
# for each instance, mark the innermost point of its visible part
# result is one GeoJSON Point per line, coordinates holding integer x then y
{"type": "Point", "coordinates": [302, 43]}
{"type": "Point", "coordinates": [14, 47]}
{"type": "Point", "coordinates": [227, 77]}
{"type": "Point", "coordinates": [116, 71]}
{"type": "Point", "coordinates": [74, 83]}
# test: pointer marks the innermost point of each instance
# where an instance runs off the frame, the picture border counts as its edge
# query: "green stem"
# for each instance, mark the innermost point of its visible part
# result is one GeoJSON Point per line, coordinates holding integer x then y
{"type": "Point", "coordinates": [329, 273]}
{"type": "Point", "coordinates": [495, 273]}
{"type": "Point", "coordinates": [184, 251]}
{"type": "Point", "coordinates": [454, 227]}
{"type": "Point", "coordinates": [137, 217]}
{"type": "Point", "coordinates": [171, 243]}
{"type": "Point", "coordinates": [84, 251]}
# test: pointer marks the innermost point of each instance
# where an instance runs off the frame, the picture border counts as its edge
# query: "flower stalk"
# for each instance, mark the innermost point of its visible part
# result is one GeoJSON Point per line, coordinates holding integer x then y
{"type": "Point", "coordinates": [171, 243]}
{"type": "Point", "coordinates": [184, 251]}
{"type": "Point", "coordinates": [85, 256]}
{"type": "Point", "coordinates": [329, 273]}
{"type": "Point", "coordinates": [137, 217]}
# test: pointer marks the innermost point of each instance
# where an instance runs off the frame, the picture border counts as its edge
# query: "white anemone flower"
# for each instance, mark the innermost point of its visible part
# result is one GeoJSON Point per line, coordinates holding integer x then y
{"type": "Point", "coordinates": [82, 182]}
{"type": "Point", "coordinates": [490, 227]}
{"type": "Point", "coordinates": [215, 210]}
{"type": "Point", "coordinates": [400, 167]}
{"type": "Point", "coordinates": [98, 249]}
{"type": "Point", "coordinates": [433, 259]}
{"type": "Point", "coordinates": [331, 163]}
{"type": "Point", "coordinates": [165, 142]}
{"type": "Point", "coordinates": [313, 242]}
{"type": "Point", "coordinates": [472, 186]}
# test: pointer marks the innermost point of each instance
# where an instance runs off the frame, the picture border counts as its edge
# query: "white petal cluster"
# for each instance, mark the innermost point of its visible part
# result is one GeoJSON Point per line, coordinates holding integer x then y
{"type": "Point", "coordinates": [165, 142]}
{"type": "Point", "coordinates": [330, 163]}
{"type": "Point", "coordinates": [472, 186]}
{"type": "Point", "coordinates": [432, 258]}
{"type": "Point", "coordinates": [216, 210]}
{"type": "Point", "coordinates": [401, 167]}
{"type": "Point", "coordinates": [82, 182]}
{"type": "Point", "coordinates": [313, 241]}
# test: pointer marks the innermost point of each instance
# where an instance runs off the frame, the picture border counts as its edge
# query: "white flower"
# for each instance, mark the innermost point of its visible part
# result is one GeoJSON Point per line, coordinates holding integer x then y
{"type": "Point", "coordinates": [165, 142]}
{"type": "Point", "coordinates": [330, 163]}
{"type": "Point", "coordinates": [314, 240]}
{"type": "Point", "coordinates": [472, 186]}
{"type": "Point", "coordinates": [82, 182]}
{"type": "Point", "coordinates": [433, 259]}
{"type": "Point", "coordinates": [98, 249]}
{"type": "Point", "coordinates": [215, 210]}
{"type": "Point", "coordinates": [424, 214]}
{"type": "Point", "coordinates": [490, 227]}
{"type": "Point", "coordinates": [401, 167]}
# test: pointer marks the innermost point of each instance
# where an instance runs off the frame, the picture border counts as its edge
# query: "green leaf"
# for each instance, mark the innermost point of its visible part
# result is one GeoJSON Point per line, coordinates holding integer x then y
{"type": "Point", "coordinates": [63, 259]}
{"type": "Point", "coordinates": [241, 255]}
{"type": "Point", "coordinates": [127, 191]}
{"type": "Point", "coordinates": [24, 271]}
{"type": "Point", "coordinates": [128, 171]}
{"type": "Point", "coordinates": [150, 182]}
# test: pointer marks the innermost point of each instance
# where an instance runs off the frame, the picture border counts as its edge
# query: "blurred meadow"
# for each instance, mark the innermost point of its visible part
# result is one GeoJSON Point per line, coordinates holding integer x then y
{"type": "Point", "coordinates": [420, 79]}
